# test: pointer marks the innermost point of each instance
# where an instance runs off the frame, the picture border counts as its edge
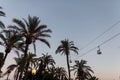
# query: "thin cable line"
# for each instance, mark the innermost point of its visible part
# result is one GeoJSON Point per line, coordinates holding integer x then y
{"type": "Point", "coordinates": [96, 47]}
{"type": "Point", "coordinates": [99, 45]}
{"type": "Point", "coordinates": [109, 39]}
{"type": "Point", "coordinates": [114, 25]}
{"type": "Point", "coordinates": [100, 35]}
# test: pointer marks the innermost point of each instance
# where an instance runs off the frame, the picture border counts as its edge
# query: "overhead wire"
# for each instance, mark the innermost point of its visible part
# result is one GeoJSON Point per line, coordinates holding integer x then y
{"type": "Point", "coordinates": [114, 25]}
{"type": "Point", "coordinates": [99, 37]}
{"type": "Point", "coordinates": [100, 45]}
{"type": "Point", "coordinates": [97, 46]}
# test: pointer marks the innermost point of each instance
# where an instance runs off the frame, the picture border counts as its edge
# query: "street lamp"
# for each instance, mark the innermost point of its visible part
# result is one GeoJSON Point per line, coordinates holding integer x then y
{"type": "Point", "coordinates": [33, 72]}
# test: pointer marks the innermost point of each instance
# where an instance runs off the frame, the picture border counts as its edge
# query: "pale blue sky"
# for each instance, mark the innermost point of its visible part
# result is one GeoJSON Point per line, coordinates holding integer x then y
{"type": "Point", "coordinates": [78, 20]}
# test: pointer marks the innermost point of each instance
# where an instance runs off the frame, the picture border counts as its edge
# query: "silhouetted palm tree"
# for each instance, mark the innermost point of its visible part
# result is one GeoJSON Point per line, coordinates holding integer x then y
{"type": "Point", "coordinates": [64, 48]}
{"type": "Point", "coordinates": [82, 71]}
{"type": "Point", "coordinates": [30, 60]}
{"type": "Point", "coordinates": [47, 60]}
{"type": "Point", "coordinates": [29, 63]}
{"type": "Point", "coordinates": [31, 30]}
{"type": "Point", "coordinates": [60, 73]}
{"type": "Point", "coordinates": [44, 62]}
{"type": "Point", "coordinates": [2, 14]}
{"type": "Point", "coordinates": [93, 78]}
{"type": "Point", "coordinates": [9, 39]}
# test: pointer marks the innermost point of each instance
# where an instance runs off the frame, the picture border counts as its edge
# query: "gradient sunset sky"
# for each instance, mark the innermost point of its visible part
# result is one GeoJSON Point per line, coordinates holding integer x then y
{"type": "Point", "coordinates": [80, 21]}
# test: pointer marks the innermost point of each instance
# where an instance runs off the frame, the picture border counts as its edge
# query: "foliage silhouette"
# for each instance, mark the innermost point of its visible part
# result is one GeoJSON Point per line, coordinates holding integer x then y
{"type": "Point", "coordinates": [3, 15]}
{"type": "Point", "coordinates": [9, 39]}
{"type": "Point", "coordinates": [26, 32]}
{"type": "Point", "coordinates": [64, 48]}
{"type": "Point", "coordinates": [31, 31]}
{"type": "Point", "coordinates": [82, 70]}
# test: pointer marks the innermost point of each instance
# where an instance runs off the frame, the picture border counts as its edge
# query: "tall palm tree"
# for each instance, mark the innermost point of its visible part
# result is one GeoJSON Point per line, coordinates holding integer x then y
{"type": "Point", "coordinates": [9, 39]}
{"type": "Point", "coordinates": [31, 30]}
{"type": "Point", "coordinates": [64, 48]}
{"type": "Point", "coordinates": [82, 70]}
{"type": "Point", "coordinates": [2, 14]}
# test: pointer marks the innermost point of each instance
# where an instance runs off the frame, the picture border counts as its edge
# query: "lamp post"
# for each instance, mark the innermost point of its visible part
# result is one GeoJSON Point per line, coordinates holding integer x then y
{"type": "Point", "coordinates": [33, 72]}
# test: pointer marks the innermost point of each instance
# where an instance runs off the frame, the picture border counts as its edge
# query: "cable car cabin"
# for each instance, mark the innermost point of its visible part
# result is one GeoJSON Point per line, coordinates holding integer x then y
{"type": "Point", "coordinates": [99, 52]}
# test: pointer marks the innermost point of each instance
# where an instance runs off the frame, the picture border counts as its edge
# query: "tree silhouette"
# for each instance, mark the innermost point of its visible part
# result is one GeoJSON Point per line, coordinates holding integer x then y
{"type": "Point", "coordinates": [2, 14]}
{"type": "Point", "coordinates": [64, 48]}
{"type": "Point", "coordinates": [82, 70]}
{"type": "Point", "coordinates": [31, 31]}
{"type": "Point", "coordinates": [93, 78]}
{"type": "Point", "coordinates": [9, 39]}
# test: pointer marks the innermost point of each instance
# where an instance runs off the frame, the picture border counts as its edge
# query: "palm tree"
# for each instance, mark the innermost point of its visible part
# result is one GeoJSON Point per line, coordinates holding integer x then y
{"type": "Point", "coordinates": [9, 39]}
{"type": "Point", "coordinates": [43, 64]}
{"type": "Point", "coordinates": [93, 78]}
{"type": "Point", "coordinates": [47, 60]}
{"type": "Point", "coordinates": [31, 31]}
{"type": "Point", "coordinates": [64, 48]}
{"type": "Point", "coordinates": [60, 73]}
{"type": "Point", "coordinates": [56, 73]}
{"type": "Point", "coordinates": [29, 63]}
{"type": "Point", "coordinates": [82, 71]}
{"type": "Point", "coordinates": [2, 14]}
{"type": "Point", "coordinates": [30, 60]}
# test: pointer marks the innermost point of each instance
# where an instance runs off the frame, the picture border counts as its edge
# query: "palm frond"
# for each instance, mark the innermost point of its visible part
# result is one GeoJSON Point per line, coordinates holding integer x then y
{"type": "Point", "coordinates": [44, 41]}
{"type": "Point", "coordinates": [2, 13]}
{"type": "Point", "coordinates": [2, 25]}
{"type": "Point", "coordinates": [20, 24]}
{"type": "Point", "coordinates": [3, 38]}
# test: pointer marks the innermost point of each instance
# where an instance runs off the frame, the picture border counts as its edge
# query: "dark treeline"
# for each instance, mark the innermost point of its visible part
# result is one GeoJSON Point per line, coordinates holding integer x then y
{"type": "Point", "coordinates": [28, 66]}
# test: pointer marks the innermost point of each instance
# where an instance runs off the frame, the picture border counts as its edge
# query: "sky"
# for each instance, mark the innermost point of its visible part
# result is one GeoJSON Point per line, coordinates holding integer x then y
{"type": "Point", "coordinates": [80, 21]}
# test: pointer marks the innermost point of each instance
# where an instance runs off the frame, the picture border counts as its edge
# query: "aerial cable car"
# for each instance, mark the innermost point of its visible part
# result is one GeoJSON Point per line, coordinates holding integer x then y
{"type": "Point", "coordinates": [98, 51]}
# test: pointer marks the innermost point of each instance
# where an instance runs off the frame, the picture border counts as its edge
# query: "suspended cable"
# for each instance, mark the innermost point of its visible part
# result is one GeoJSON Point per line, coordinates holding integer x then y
{"type": "Point", "coordinates": [100, 35]}
{"type": "Point", "coordinates": [99, 45]}
{"type": "Point", "coordinates": [98, 38]}
{"type": "Point", "coordinates": [110, 39]}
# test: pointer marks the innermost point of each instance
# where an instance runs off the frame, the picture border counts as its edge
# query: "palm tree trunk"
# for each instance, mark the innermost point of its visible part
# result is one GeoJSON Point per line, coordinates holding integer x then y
{"type": "Point", "coordinates": [25, 60]}
{"type": "Point", "coordinates": [5, 57]}
{"type": "Point", "coordinates": [3, 60]}
{"type": "Point", "coordinates": [67, 57]}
